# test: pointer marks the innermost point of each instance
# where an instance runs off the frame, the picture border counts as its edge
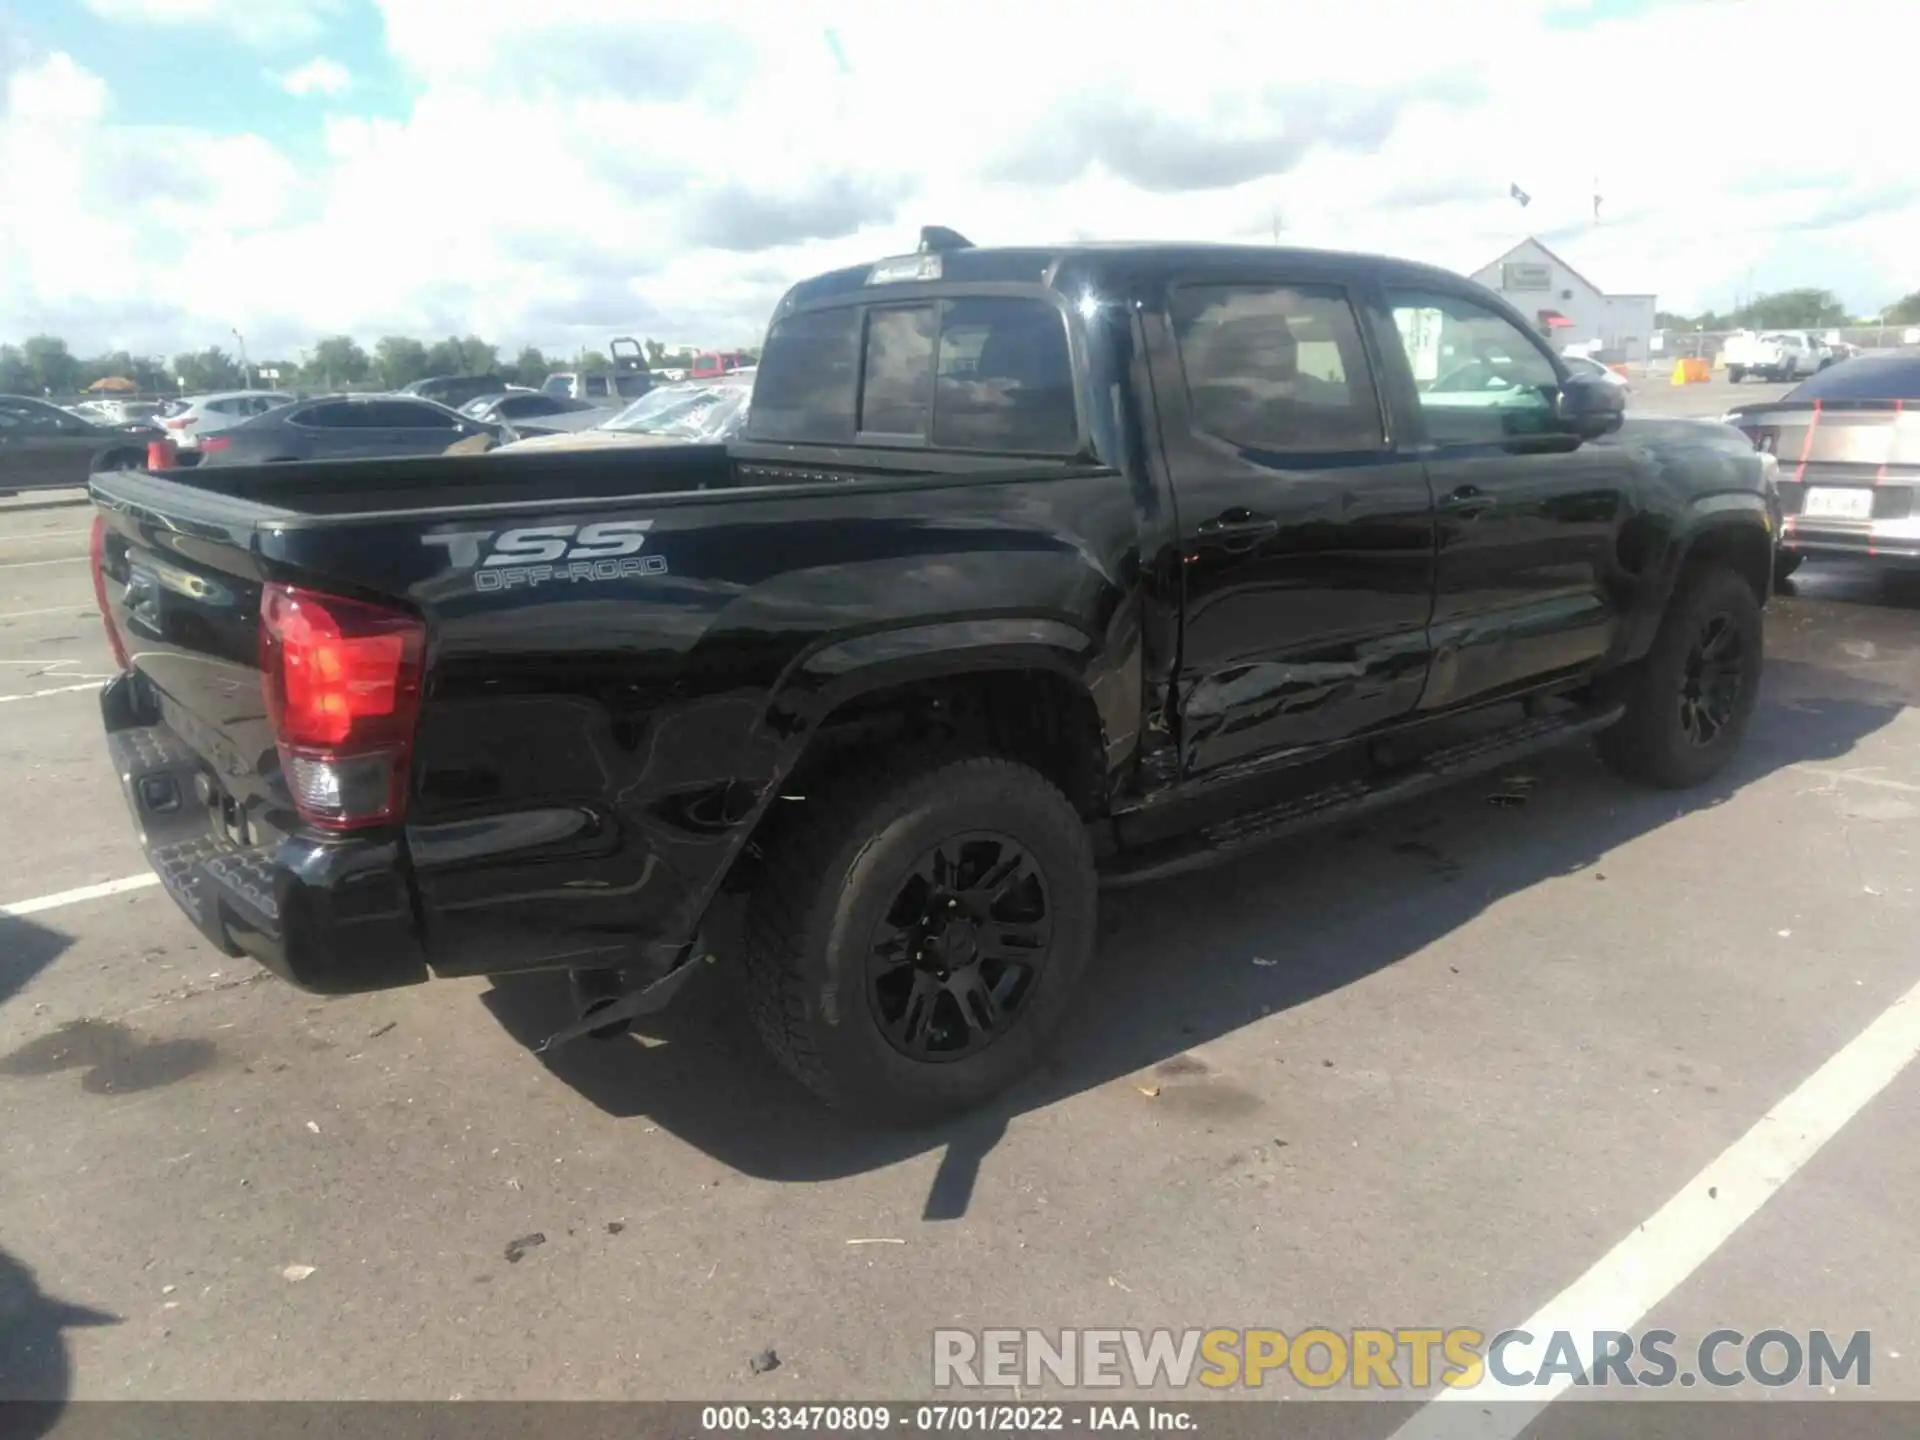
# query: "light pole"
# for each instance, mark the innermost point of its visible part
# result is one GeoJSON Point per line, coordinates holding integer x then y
{"type": "Point", "coordinates": [246, 371]}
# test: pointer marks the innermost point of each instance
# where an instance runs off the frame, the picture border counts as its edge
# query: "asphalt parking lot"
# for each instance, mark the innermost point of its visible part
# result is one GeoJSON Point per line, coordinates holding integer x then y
{"type": "Point", "coordinates": [1428, 1071]}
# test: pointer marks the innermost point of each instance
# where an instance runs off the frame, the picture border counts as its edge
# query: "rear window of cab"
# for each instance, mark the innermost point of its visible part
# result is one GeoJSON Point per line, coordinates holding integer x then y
{"type": "Point", "coordinates": [976, 373]}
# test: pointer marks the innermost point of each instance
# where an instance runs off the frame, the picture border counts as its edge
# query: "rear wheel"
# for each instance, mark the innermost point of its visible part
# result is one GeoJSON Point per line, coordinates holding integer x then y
{"type": "Point", "coordinates": [1689, 701]}
{"type": "Point", "coordinates": [918, 935]}
{"type": "Point", "coordinates": [1736, 374]}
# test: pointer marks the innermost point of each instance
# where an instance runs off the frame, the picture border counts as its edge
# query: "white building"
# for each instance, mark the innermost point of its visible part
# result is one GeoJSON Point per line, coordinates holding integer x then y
{"type": "Point", "coordinates": [1570, 309]}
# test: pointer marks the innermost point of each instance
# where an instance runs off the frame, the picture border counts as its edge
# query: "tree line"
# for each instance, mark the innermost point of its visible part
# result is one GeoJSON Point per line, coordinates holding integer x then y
{"type": "Point", "coordinates": [44, 365]}
{"type": "Point", "coordinates": [1804, 309]}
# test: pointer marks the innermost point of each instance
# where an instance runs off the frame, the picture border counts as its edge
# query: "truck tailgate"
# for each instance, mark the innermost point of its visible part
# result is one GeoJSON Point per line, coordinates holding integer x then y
{"type": "Point", "coordinates": [180, 583]}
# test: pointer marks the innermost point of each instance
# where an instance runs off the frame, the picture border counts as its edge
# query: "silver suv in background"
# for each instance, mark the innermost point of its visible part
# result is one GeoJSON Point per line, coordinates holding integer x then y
{"type": "Point", "coordinates": [185, 421]}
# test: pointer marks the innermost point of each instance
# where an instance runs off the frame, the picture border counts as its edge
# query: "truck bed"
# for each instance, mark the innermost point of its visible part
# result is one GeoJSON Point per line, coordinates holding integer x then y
{"type": "Point", "coordinates": [593, 733]}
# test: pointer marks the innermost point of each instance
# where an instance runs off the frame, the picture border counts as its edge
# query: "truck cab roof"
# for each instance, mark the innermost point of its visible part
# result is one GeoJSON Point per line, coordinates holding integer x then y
{"type": "Point", "coordinates": [1071, 269]}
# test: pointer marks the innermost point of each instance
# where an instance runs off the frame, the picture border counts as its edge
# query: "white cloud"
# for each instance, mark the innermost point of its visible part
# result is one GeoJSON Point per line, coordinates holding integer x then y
{"type": "Point", "coordinates": [665, 169]}
{"type": "Point", "coordinates": [256, 22]}
{"type": "Point", "coordinates": [319, 76]}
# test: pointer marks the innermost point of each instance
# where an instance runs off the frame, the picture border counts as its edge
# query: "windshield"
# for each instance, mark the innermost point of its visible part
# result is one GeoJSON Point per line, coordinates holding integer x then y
{"type": "Point", "coordinates": [693, 412]}
{"type": "Point", "coordinates": [684, 411]}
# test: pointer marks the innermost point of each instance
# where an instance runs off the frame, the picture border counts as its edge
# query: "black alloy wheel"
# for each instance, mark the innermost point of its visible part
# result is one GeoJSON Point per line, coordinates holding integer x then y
{"type": "Point", "coordinates": [958, 953]}
{"type": "Point", "coordinates": [1715, 677]}
{"type": "Point", "coordinates": [1689, 700]}
{"type": "Point", "coordinates": [917, 931]}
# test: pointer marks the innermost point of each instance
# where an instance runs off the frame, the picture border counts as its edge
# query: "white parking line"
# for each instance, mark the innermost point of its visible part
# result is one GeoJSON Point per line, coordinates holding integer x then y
{"type": "Point", "coordinates": [1656, 1259]}
{"type": "Point", "coordinates": [1859, 778]}
{"type": "Point", "coordinates": [57, 690]}
{"type": "Point", "coordinates": [44, 537]}
{"type": "Point", "coordinates": [85, 892]}
{"type": "Point", "coordinates": [33, 564]}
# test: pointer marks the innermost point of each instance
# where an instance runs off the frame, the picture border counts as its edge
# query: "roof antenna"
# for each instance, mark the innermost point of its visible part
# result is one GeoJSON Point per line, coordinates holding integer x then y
{"type": "Point", "coordinates": [934, 238]}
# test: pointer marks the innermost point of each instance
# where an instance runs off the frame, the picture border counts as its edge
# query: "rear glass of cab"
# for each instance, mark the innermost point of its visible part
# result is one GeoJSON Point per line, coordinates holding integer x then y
{"type": "Point", "coordinates": [980, 373]}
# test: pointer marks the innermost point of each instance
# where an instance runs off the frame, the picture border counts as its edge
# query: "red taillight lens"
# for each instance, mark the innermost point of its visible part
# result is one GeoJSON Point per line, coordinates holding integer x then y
{"type": "Point", "coordinates": [97, 555]}
{"type": "Point", "coordinates": [342, 681]}
{"type": "Point", "coordinates": [214, 442]}
{"type": "Point", "coordinates": [180, 422]}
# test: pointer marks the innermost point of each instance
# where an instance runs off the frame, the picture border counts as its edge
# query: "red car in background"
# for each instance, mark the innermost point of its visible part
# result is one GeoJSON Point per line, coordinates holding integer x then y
{"type": "Point", "coordinates": [714, 364]}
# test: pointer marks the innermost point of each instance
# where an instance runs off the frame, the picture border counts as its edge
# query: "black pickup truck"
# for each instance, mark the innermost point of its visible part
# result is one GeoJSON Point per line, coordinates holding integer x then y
{"type": "Point", "coordinates": [1038, 569]}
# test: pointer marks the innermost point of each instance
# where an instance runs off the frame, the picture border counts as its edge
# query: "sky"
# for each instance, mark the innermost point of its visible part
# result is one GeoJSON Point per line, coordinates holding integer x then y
{"type": "Point", "coordinates": [559, 172]}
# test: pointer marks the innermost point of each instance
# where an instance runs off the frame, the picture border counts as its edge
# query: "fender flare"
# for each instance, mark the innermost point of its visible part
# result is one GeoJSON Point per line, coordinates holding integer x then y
{"type": "Point", "coordinates": [821, 680]}
{"type": "Point", "coordinates": [1732, 514]}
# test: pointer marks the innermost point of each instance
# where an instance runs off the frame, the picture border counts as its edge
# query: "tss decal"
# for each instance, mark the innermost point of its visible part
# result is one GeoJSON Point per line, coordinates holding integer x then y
{"type": "Point", "coordinates": [542, 554]}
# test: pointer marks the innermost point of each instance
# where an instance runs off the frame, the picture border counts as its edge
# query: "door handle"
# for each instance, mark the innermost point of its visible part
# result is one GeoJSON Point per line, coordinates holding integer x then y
{"type": "Point", "coordinates": [1467, 500]}
{"type": "Point", "coordinates": [1238, 528]}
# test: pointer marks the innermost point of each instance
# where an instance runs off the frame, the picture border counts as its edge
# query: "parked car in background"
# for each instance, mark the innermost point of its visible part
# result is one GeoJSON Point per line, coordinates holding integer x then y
{"type": "Point", "coordinates": [1851, 435]}
{"type": "Point", "coordinates": [455, 390]}
{"type": "Point", "coordinates": [601, 385]}
{"type": "Point", "coordinates": [699, 412]}
{"type": "Point", "coordinates": [186, 422]}
{"type": "Point", "coordinates": [716, 363]}
{"type": "Point", "coordinates": [1773, 355]}
{"type": "Point", "coordinates": [43, 446]}
{"type": "Point", "coordinates": [347, 427]}
{"type": "Point", "coordinates": [534, 412]}
{"type": "Point", "coordinates": [117, 412]}
{"type": "Point", "coordinates": [1585, 365]}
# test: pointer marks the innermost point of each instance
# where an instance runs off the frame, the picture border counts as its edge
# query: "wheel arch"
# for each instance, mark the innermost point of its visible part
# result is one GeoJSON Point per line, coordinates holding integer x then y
{"type": "Point", "coordinates": [1034, 689]}
{"type": "Point", "coordinates": [1734, 529]}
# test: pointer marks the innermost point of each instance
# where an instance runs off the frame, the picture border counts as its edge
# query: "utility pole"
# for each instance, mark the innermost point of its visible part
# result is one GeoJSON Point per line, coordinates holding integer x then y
{"type": "Point", "coordinates": [246, 370]}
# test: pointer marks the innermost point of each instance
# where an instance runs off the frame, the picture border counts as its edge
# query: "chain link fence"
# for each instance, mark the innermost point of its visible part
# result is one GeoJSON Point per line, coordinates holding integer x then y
{"type": "Point", "coordinates": [1707, 344]}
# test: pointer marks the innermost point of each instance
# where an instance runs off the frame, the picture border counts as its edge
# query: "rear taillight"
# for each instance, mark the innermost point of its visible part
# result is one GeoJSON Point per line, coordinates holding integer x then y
{"type": "Point", "coordinates": [97, 555]}
{"type": "Point", "coordinates": [214, 442]}
{"type": "Point", "coordinates": [342, 681]}
{"type": "Point", "coordinates": [180, 422]}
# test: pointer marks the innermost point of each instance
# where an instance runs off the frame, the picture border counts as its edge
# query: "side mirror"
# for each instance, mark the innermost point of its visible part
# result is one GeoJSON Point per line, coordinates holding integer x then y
{"type": "Point", "coordinates": [1590, 407]}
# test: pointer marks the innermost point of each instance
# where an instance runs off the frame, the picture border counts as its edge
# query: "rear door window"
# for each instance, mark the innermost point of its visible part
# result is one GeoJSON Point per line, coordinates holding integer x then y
{"type": "Point", "coordinates": [335, 416]}
{"type": "Point", "coordinates": [399, 415]}
{"type": "Point", "coordinates": [1277, 368]}
{"type": "Point", "coordinates": [1005, 381]}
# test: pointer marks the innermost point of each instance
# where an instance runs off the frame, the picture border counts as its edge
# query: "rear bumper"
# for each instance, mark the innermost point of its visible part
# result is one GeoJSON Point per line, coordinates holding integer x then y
{"type": "Point", "coordinates": [1892, 540]}
{"type": "Point", "coordinates": [333, 917]}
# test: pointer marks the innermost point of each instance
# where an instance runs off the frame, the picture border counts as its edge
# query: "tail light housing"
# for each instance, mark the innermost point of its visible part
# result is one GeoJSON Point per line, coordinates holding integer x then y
{"type": "Point", "coordinates": [342, 680]}
{"type": "Point", "coordinates": [97, 557]}
{"type": "Point", "coordinates": [209, 443]}
{"type": "Point", "coordinates": [180, 422]}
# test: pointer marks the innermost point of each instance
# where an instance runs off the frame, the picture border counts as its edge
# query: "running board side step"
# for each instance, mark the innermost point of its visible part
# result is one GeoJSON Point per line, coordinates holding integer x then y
{"type": "Point", "coordinates": [1228, 839]}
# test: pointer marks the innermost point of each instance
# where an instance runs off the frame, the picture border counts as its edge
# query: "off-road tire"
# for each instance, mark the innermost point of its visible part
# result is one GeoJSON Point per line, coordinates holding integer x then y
{"type": "Point", "coordinates": [829, 876]}
{"type": "Point", "coordinates": [1784, 564]}
{"type": "Point", "coordinates": [1651, 744]}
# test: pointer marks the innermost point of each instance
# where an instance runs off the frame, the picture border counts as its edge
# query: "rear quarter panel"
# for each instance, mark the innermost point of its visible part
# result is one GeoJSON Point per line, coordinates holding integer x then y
{"type": "Point", "coordinates": [593, 753]}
